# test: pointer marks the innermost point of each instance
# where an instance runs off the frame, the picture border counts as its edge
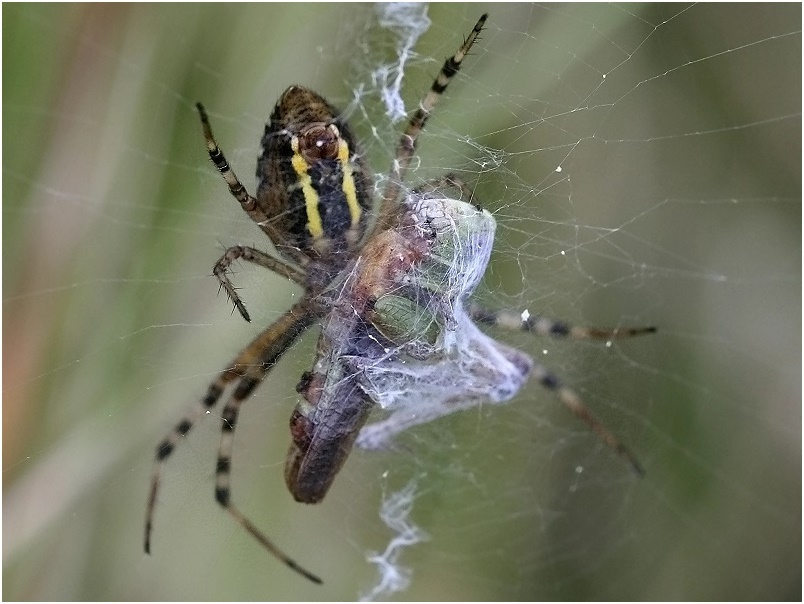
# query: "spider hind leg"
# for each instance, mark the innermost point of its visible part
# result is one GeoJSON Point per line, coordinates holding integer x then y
{"type": "Point", "coordinates": [223, 468]}
{"type": "Point", "coordinates": [169, 443]}
{"type": "Point", "coordinates": [250, 367]}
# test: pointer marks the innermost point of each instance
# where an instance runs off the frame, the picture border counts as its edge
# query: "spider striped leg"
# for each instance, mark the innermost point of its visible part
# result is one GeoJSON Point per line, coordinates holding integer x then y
{"type": "Point", "coordinates": [250, 254]}
{"type": "Point", "coordinates": [407, 144]}
{"type": "Point", "coordinates": [236, 188]}
{"type": "Point", "coordinates": [544, 326]}
{"type": "Point", "coordinates": [223, 491]}
{"type": "Point", "coordinates": [251, 366]}
{"type": "Point", "coordinates": [270, 353]}
{"type": "Point", "coordinates": [576, 406]}
{"type": "Point", "coordinates": [247, 202]}
{"type": "Point", "coordinates": [169, 443]}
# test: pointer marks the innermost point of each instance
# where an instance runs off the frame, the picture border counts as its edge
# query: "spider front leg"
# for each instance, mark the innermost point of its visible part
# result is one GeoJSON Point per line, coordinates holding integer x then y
{"type": "Point", "coordinates": [249, 203]}
{"type": "Point", "coordinates": [236, 188]}
{"type": "Point", "coordinates": [407, 144]}
{"type": "Point", "coordinates": [250, 367]}
{"type": "Point", "coordinates": [251, 207]}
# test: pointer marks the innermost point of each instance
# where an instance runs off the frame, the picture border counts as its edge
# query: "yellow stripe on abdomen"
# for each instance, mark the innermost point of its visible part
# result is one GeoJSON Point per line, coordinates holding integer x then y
{"type": "Point", "coordinates": [348, 184]}
{"type": "Point", "coordinates": [314, 223]}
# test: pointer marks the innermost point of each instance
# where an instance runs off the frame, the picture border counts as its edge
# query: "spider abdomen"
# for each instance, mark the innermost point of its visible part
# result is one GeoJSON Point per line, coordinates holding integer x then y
{"type": "Point", "coordinates": [312, 180]}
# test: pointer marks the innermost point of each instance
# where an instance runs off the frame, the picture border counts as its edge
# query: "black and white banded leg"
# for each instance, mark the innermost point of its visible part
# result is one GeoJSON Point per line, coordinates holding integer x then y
{"type": "Point", "coordinates": [553, 328]}
{"type": "Point", "coordinates": [544, 326]}
{"type": "Point", "coordinates": [407, 144]}
{"type": "Point", "coordinates": [248, 370]}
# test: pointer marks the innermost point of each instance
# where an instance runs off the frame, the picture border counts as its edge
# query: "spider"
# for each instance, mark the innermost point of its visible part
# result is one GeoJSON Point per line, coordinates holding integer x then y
{"type": "Point", "coordinates": [370, 277]}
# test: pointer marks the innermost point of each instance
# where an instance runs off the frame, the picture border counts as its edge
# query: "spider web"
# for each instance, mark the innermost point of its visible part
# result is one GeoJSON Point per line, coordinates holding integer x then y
{"type": "Point", "coordinates": [643, 164]}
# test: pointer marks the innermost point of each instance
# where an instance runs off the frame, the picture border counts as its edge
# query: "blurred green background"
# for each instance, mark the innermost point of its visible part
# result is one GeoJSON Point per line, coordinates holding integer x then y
{"type": "Point", "coordinates": [677, 132]}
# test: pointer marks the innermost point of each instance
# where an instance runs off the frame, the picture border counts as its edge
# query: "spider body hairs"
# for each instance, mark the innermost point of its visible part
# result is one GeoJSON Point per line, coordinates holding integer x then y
{"type": "Point", "coordinates": [390, 286]}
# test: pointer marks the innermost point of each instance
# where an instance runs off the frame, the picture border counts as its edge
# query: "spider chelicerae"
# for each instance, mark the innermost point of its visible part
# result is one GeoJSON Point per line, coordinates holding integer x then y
{"type": "Point", "coordinates": [389, 287]}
